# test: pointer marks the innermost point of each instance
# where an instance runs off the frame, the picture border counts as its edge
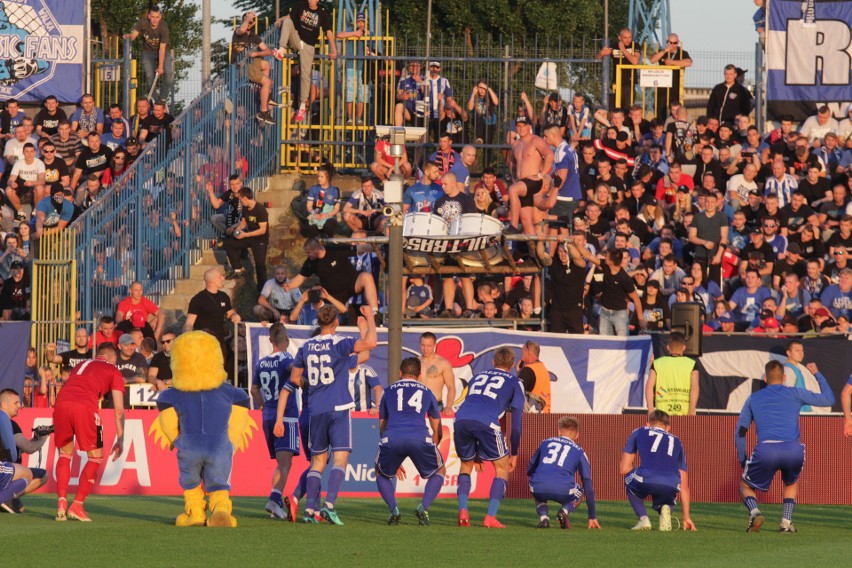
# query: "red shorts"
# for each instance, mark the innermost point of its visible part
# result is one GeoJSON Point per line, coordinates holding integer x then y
{"type": "Point", "coordinates": [80, 422]}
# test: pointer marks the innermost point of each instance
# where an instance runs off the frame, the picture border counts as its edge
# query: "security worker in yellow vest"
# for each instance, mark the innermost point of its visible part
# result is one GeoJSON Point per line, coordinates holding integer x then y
{"type": "Point", "coordinates": [672, 384]}
{"type": "Point", "coordinates": [535, 377]}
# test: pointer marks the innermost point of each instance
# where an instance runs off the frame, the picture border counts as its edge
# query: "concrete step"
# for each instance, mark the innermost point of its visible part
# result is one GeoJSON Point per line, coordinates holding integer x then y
{"type": "Point", "coordinates": [192, 286]}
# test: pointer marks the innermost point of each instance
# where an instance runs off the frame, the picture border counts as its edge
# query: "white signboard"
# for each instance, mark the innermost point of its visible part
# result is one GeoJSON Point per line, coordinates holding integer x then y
{"type": "Point", "coordinates": [655, 78]}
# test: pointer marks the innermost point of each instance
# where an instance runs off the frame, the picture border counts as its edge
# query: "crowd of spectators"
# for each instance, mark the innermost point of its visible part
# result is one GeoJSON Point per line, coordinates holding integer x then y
{"type": "Point", "coordinates": [755, 226]}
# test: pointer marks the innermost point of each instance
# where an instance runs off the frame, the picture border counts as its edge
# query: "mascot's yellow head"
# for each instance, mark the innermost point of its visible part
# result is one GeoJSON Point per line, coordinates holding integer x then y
{"type": "Point", "coordinates": [197, 362]}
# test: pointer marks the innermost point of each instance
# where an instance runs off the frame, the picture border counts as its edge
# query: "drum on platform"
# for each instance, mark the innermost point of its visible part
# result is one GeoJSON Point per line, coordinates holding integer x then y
{"type": "Point", "coordinates": [424, 225]}
{"type": "Point", "coordinates": [475, 225]}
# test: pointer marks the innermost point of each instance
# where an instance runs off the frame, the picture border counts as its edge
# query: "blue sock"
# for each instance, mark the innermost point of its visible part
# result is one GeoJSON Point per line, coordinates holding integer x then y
{"type": "Point", "coordinates": [13, 489]}
{"type": "Point", "coordinates": [637, 504]}
{"type": "Point", "coordinates": [433, 487]}
{"type": "Point", "coordinates": [301, 487]}
{"type": "Point", "coordinates": [464, 490]}
{"type": "Point", "coordinates": [498, 489]}
{"type": "Point", "coordinates": [313, 485]}
{"type": "Point", "coordinates": [569, 506]}
{"type": "Point", "coordinates": [542, 510]}
{"type": "Point", "coordinates": [788, 508]}
{"type": "Point", "coordinates": [335, 480]}
{"type": "Point", "coordinates": [387, 491]}
{"type": "Point", "coordinates": [751, 504]}
{"type": "Point", "coordinates": [275, 497]}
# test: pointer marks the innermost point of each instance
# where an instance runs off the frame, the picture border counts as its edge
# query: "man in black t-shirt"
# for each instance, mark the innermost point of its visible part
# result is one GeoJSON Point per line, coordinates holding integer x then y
{"type": "Point", "coordinates": [93, 159]}
{"type": "Point", "coordinates": [15, 296]}
{"type": "Point", "coordinates": [617, 290]}
{"type": "Point", "coordinates": [300, 32]}
{"type": "Point", "coordinates": [251, 233]}
{"type": "Point", "coordinates": [157, 123]}
{"type": "Point", "coordinates": [81, 351]}
{"type": "Point", "coordinates": [160, 370]}
{"type": "Point", "coordinates": [336, 274]}
{"type": "Point", "coordinates": [568, 282]}
{"type": "Point", "coordinates": [209, 309]}
{"type": "Point", "coordinates": [672, 55]}
{"type": "Point", "coordinates": [156, 55]}
{"type": "Point", "coordinates": [47, 119]}
{"type": "Point", "coordinates": [55, 170]}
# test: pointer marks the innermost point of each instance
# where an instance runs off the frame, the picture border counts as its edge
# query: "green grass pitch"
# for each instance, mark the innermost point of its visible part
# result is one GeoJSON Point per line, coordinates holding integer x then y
{"type": "Point", "coordinates": [138, 531]}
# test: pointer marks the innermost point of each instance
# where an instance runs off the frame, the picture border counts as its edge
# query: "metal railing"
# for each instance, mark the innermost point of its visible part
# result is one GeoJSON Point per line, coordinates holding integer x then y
{"type": "Point", "coordinates": [153, 223]}
{"type": "Point", "coordinates": [332, 132]}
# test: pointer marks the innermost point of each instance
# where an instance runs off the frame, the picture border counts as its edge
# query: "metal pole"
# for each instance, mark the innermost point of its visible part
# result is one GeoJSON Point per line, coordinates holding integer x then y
{"type": "Point", "coordinates": [428, 35]}
{"type": "Point", "coordinates": [277, 9]}
{"type": "Point", "coordinates": [205, 42]}
{"type": "Point", "coordinates": [395, 298]}
{"type": "Point", "coordinates": [127, 66]}
{"type": "Point", "coordinates": [88, 34]}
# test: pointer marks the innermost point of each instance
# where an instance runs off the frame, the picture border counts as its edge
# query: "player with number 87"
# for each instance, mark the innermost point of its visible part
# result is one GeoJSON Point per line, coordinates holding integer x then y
{"type": "Point", "coordinates": [325, 361]}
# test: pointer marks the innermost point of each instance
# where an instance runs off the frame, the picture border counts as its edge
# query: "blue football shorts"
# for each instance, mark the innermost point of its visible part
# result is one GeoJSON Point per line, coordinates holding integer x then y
{"type": "Point", "coordinates": [769, 457]}
{"type": "Point", "coordinates": [477, 440]}
{"type": "Point", "coordinates": [289, 442]}
{"type": "Point", "coordinates": [423, 453]}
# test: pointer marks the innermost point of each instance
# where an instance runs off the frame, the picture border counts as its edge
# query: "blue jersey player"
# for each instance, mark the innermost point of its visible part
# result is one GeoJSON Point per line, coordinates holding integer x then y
{"type": "Point", "coordinates": [846, 405]}
{"type": "Point", "coordinates": [552, 472]}
{"type": "Point", "coordinates": [661, 473]}
{"type": "Point", "coordinates": [271, 375]}
{"type": "Point", "coordinates": [324, 362]}
{"type": "Point", "coordinates": [403, 413]}
{"type": "Point", "coordinates": [477, 434]}
{"type": "Point", "coordinates": [775, 412]}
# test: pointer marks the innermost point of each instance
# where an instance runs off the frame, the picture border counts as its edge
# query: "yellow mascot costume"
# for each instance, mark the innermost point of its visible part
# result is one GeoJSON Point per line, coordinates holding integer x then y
{"type": "Point", "coordinates": [206, 419]}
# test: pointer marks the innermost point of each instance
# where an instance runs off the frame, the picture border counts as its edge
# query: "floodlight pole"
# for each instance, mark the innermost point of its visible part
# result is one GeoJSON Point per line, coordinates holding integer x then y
{"type": "Point", "coordinates": [393, 212]}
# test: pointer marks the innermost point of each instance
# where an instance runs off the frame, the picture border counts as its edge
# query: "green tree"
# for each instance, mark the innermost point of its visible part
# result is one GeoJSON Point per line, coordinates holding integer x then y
{"type": "Point", "coordinates": [113, 18]}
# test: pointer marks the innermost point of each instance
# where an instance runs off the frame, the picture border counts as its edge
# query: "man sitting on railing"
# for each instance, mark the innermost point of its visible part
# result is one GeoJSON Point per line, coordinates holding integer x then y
{"type": "Point", "coordinates": [300, 31]}
{"type": "Point", "coordinates": [246, 42]}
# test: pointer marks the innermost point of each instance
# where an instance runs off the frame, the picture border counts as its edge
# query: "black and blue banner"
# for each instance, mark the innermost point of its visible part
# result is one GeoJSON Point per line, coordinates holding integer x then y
{"type": "Point", "coordinates": [808, 57]}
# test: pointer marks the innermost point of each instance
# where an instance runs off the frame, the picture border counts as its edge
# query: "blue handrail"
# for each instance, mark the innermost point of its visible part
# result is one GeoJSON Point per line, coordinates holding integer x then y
{"type": "Point", "coordinates": [154, 222]}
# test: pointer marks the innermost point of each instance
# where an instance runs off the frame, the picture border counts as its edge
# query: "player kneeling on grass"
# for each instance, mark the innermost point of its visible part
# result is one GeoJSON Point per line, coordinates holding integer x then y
{"type": "Point", "coordinates": [402, 427]}
{"type": "Point", "coordinates": [775, 412]}
{"type": "Point", "coordinates": [477, 434]}
{"type": "Point", "coordinates": [271, 376]}
{"type": "Point", "coordinates": [15, 479]}
{"type": "Point", "coordinates": [661, 473]}
{"type": "Point", "coordinates": [552, 471]}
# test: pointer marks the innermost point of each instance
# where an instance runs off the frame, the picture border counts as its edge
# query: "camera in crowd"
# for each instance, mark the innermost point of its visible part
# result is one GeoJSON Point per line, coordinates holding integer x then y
{"type": "Point", "coordinates": [43, 430]}
{"type": "Point", "coordinates": [314, 296]}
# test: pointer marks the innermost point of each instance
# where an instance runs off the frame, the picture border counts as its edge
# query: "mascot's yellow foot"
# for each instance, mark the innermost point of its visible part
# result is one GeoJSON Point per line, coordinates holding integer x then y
{"type": "Point", "coordinates": [194, 518]}
{"type": "Point", "coordinates": [220, 505]}
{"type": "Point", "coordinates": [194, 506]}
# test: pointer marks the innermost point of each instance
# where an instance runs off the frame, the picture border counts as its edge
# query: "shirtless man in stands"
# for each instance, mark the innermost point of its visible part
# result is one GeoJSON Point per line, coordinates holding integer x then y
{"type": "Point", "coordinates": [436, 373]}
{"type": "Point", "coordinates": [532, 159]}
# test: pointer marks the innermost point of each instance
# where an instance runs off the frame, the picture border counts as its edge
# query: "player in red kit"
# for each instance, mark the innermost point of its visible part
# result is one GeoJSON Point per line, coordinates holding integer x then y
{"type": "Point", "coordinates": [75, 417]}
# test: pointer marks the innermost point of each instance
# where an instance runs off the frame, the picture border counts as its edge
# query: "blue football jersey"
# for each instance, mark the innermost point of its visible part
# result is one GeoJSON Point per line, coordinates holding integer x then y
{"type": "Point", "coordinates": [557, 461]}
{"type": "Point", "coordinates": [489, 395]}
{"type": "Point", "coordinates": [362, 381]}
{"type": "Point", "coordinates": [405, 405]}
{"type": "Point", "coordinates": [326, 361]}
{"type": "Point", "coordinates": [660, 452]}
{"type": "Point", "coordinates": [271, 374]}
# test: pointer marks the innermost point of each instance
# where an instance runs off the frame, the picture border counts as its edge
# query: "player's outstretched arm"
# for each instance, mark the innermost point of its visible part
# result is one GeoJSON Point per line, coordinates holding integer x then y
{"type": "Point", "coordinates": [367, 326]}
{"type": "Point", "coordinates": [650, 385]}
{"type": "Point", "coordinates": [846, 403]}
{"type": "Point", "coordinates": [118, 408]}
{"type": "Point", "coordinates": [825, 396]}
{"type": "Point", "coordinates": [688, 525]}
